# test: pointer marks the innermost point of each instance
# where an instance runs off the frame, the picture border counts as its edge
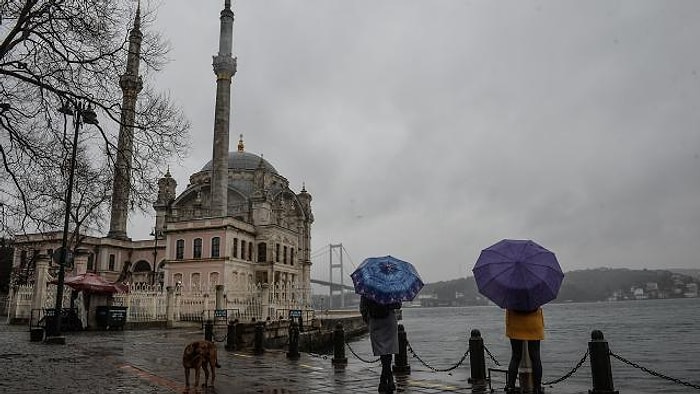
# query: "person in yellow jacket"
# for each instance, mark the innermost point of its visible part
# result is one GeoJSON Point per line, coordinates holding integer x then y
{"type": "Point", "coordinates": [525, 326]}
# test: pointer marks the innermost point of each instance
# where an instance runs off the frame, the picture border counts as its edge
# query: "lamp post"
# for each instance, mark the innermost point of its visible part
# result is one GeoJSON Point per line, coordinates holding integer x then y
{"type": "Point", "coordinates": [82, 114]}
{"type": "Point", "coordinates": [2, 206]}
{"type": "Point", "coordinates": [155, 233]}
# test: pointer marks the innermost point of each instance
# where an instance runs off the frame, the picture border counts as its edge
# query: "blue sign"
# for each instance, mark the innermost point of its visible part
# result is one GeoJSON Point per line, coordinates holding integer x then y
{"type": "Point", "coordinates": [295, 313]}
{"type": "Point", "coordinates": [220, 313]}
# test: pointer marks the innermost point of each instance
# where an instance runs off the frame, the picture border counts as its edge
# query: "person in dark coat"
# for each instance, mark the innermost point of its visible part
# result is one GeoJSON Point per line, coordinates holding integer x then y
{"type": "Point", "coordinates": [384, 336]}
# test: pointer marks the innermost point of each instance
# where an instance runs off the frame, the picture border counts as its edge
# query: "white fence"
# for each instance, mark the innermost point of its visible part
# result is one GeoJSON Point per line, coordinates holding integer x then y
{"type": "Point", "coordinates": [146, 303]}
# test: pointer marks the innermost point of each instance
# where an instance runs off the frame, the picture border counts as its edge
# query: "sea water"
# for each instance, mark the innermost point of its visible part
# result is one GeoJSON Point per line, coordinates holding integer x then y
{"type": "Point", "coordinates": [661, 335]}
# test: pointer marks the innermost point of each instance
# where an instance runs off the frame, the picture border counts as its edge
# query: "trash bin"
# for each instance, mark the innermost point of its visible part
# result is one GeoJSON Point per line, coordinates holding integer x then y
{"type": "Point", "coordinates": [36, 334]}
{"type": "Point", "coordinates": [110, 317]}
{"type": "Point", "coordinates": [49, 322]}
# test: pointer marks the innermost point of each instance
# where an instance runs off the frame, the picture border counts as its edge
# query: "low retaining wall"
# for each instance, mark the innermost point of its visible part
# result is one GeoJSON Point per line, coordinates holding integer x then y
{"type": "Point", "coordinates": [315, 338]}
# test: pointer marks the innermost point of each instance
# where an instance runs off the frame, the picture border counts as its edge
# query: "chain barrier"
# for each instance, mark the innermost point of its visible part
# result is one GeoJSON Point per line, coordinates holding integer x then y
{"type": "Point", "coordinates": [213, 333]}
{"type": "Point", "coordinates": [219, 340]}
{"type": "Point", "coordinates": [360, 358]}
{"type": "Point", "coordinates": [491, 355]}
{"type": "Point", "coordinates": [570, 373]}
{"type": "Point", "coordinates": [317, 355]}
{"type": "Point", "coordinates": [417, 357]}
{"type": "Point", "coordinates": [654, 373]}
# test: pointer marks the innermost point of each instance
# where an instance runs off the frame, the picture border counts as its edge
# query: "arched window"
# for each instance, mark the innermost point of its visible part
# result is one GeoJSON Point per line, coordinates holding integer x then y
{"type": "Point", "coordinates": [91, 262]}
{"type": "Point", "coordinates": [242, 250]}
{"type": "Point", "coordinates": [213, 278]}
{"type": "Point", "coordinates": [277, 253]}
{"type": "Point", "coordinates": [180, 249]}
{"type": "Point", "coordinates": [197, 248]}
{"type": "Point", "coordinates": [235, 248]}
{"type": "Point", "coordinates": [195, 281]}
{"type": "Point", "coordinates": [215, 242]}
{"type": "Point", "coordinates": [284, 259]}
{"type": "Point", "coordinates": [291, 256]}
{"type": "Point", "coordinates": [250, 251]}
{"type": "Point", "coordinates": [262, 252]}
{"type": "Point", "coordinates": [142, 266]}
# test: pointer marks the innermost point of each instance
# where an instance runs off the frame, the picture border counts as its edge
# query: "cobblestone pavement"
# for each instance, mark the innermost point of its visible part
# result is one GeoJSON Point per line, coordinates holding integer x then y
{"type": "Point", "coordinates": [149, 361]}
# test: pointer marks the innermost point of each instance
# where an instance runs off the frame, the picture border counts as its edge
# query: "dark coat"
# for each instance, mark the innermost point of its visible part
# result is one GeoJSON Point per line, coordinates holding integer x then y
{"type": "Point", "coordinates": [383, 326]}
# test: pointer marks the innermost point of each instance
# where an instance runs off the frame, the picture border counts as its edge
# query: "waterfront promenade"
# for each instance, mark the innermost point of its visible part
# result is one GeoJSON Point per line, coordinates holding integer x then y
{"type": "Point", "coordinates": [149, 361]}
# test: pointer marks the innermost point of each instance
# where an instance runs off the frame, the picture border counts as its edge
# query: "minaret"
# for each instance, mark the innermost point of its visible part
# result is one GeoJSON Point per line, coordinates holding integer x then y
{"type": "Point", "coordinates": [166, 196]}
{"type": "Point", "coordinates": [224, 68]}
{"type": "Point", "coordinates": [131, 85]}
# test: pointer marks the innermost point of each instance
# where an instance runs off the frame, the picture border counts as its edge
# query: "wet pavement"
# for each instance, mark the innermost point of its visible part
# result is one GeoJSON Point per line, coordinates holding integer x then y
{"type": "Point", "coordinates": [150, 361]}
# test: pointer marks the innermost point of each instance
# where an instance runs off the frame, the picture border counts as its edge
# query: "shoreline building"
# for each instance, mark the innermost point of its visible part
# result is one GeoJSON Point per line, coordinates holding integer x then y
{"type": "Point", "coordinates": [237, 223]}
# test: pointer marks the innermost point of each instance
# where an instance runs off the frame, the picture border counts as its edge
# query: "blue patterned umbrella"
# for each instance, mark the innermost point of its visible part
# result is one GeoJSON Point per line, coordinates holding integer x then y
{"type": "Point", "coordinates": [518, 274]}
{"type": "Point", "coordinates": [386, 280]}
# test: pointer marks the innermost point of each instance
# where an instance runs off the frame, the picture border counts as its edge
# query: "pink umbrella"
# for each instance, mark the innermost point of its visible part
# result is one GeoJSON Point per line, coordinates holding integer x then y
{"type": "Point", "coordinates": [93, 283]}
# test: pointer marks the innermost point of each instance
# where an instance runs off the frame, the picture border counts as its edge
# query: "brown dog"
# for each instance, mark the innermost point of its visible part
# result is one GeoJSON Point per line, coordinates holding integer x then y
{"type": "Point", "coordinates": [200, 354]}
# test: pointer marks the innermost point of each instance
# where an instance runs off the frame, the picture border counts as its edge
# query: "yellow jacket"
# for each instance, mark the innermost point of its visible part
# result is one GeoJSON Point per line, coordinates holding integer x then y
{"type": "Point", "coordinates": [527, 326]}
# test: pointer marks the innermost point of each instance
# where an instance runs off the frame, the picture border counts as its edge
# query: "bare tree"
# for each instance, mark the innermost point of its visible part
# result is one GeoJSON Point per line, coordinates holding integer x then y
{"type": "Point", "coordinates": [54, 52]}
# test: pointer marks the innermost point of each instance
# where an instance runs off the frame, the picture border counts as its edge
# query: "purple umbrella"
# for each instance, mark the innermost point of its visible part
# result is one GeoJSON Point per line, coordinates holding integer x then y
{"type": "Point", "coordinates": [518, 274]}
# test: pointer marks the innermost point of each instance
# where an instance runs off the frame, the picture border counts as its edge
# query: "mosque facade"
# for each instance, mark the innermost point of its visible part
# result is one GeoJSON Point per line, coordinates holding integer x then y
{"type": "Point", "coordinates": [237, 223]}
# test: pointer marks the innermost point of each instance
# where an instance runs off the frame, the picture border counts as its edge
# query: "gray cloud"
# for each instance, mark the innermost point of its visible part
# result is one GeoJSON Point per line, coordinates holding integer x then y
{"type": "Point", "coordinates": [431, 130]}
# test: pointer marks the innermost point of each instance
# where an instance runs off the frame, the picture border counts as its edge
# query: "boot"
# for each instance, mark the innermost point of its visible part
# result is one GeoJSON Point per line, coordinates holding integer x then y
{"type": "Point", "coordinates": [390, 383]}
{"type": "Point", "coordinates": [383, 384]}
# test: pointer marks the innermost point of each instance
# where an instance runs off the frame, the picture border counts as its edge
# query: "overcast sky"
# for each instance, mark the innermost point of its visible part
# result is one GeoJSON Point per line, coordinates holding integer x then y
{"type": "Point", "coordinates": [430, 130]}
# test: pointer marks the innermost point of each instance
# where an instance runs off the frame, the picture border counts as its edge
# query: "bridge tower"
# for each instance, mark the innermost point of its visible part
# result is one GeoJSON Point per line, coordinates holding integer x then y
{"type": "Point", "coordinates": [333, 289]}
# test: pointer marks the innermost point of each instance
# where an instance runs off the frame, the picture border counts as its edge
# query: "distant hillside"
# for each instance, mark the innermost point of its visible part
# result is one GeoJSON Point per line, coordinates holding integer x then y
{"type": "Point", "coordinates": [579, 286]}
{"type": "Point", "coordinates": [695, 273]}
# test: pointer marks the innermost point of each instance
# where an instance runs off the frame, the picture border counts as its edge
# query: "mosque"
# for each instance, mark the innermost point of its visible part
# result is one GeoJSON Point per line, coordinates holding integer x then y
{"type": "Point", "coordinates": [236, 223]}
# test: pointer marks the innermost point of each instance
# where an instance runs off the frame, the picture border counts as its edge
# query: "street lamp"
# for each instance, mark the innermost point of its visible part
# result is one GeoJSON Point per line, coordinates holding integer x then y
{"type": "Point", "coordinates": [155, 233]}
{"type": "Point", "coordinates": [82, 114]}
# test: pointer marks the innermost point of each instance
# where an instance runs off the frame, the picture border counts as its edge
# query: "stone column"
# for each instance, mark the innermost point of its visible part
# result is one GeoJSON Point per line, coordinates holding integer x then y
{"type": "Point", "coordinates": [11, 306]}
{"type": "Point", "coordinates": [170, 307]}
{"type": "Point", "coordinates": [81, 258]}
{"type": "Point", "coordinates": [265, 295]}
{"type": "Point", "coordinates": [42, 272]}
{"type": "Point", "coordinates": [220, 297]}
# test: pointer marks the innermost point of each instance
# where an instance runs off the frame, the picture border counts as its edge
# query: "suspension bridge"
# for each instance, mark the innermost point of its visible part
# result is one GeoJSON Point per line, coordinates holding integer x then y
{"type": "Point", "coordinates": [341, 293]}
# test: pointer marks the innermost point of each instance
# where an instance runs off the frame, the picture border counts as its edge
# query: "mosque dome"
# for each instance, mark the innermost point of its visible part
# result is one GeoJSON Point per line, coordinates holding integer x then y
{"type": "Point", "coordinates": [242, 160]}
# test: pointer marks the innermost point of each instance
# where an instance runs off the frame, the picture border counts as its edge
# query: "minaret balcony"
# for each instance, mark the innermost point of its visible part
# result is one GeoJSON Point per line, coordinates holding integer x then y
{"type": "Point", "coordinates": [224, 66]}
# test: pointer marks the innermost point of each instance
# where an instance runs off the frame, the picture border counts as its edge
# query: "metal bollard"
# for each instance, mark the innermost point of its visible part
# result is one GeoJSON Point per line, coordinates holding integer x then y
{"type": "Point", "coordinates": [259, 338]}
{"type": "Point", "coordinates": [339, 359]}
{"type": "Point", "coordinates": [293, 352]}
{"type": "Point", "coordinates": [209, 331]}
{"type": "Point", "coordinates": [477, 360]}
{"type": "Point", "coordinates": [231, 335]}
{"type": "Point", "coordinates": [601, 372]}
{"type": "Point", "coordinates": [401, 359]}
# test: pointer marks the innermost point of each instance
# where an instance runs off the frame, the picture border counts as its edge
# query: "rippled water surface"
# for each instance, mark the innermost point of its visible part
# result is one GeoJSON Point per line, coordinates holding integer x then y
{"type": "Point", "coordinates": [662, 335]}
